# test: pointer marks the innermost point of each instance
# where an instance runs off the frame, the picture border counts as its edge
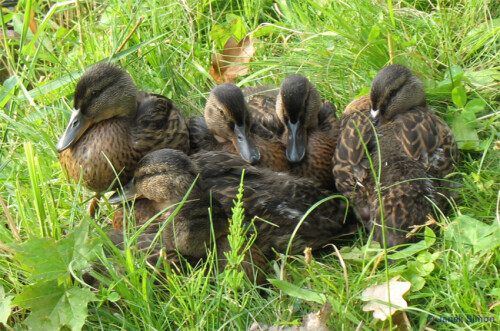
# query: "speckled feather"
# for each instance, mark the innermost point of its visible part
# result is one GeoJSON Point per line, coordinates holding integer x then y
{"type": "Point", "coordinates": [415, 146]}
{"type": "Point", "coordinates": [321, 123]}
{"type": "Point", "coordinates": [162, 182]}
{"type": "Point", "coordinates": [279, 198]}
{"type": "Point", "coordinates": [154, 123]}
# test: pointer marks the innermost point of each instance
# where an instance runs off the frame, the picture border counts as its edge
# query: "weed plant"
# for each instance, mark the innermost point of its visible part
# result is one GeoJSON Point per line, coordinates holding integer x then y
{"type": "Point", "coordinates": [47, 240]}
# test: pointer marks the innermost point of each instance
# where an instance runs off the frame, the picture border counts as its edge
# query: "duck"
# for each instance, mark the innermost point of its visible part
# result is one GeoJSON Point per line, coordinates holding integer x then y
{"type": "Point", "coordinates": [311, 129]}
{"type": "Point", "coordinates": [412, 151]}
{"type": "Point", "coordinates": [113, 125]}
{"type": "Point", "coordinates": [276, 202]}
{"type": "Point", "coordinates": [227, 125]}
{"type": "Point", "coordinates": [163, 179]}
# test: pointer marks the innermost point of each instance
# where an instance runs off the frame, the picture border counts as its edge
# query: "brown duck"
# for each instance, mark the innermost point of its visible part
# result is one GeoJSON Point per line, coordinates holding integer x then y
{"type": "Point", "coordinates": [114, 121]}
{"type": "Point", "coordinates": [411, 150]}
{"type": "Point", "coordinates": [278, 198]}
{"type": "Point", "coordinates": [227, 125]}
{"type": "Point", "coordinates": [310, 129]}
{"type": "Point", "coordinates": [162, 180]}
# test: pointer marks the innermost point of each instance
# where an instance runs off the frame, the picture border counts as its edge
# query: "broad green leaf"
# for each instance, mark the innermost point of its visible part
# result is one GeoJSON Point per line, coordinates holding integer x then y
{"type": "Point", "coordinates": [475, 105]}
{"type": "Point", "coordinates": [429, 236]}
{"type": "Point", "coordinates": [490, 241]}
{"type": "Point", "coordinates": [484, 77]}
{"type": "Point", "coordinates": [459, 96]}
{"type": "Point", "coordinates": [220, 35]}
{"type": "Point", "coordinates": [456, 73]}
{"type": "Point", "coordinates": [5, 305]}
{"type": "Point", "coordinates": [422, 269]}
{"type": "Point", "coordinates": [113, 297]}
{"type": "Point", "coordinates": [465, 134]}
{"type": "Point", "coordinates": [426, 257]}
{"type": "Point", "coordinates": [48, 259]}
{"type": "Point", "coordinates": [417, 282]}
{"type": "Point", "coordinates": [53, 306]}
{"type": "Point", "coordinates": [361, 255]}
{"type": "Point", "coordinates": [466, 230]}
{"type": "Point", "coordinates": [297, 292]}
{"type": "Point", "coordinates": [410, 250]}
{"type": "Point", "coordinates": [469, 118]}
{"type": "Point", "coordinates": [237, 27]}
{"type": "Point", "coordinates": [374, 33]}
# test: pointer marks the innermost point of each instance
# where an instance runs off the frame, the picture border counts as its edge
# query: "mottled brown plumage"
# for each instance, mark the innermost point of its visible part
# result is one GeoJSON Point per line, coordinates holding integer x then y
{"type": "Point", "coordinates": [279, 198]}
{"type": "Point", "coordinates": [161, 181]}
{"type": "Point", "coordinates": [417, 149]}
{"type": "Point", "coordinates": [311, 129]}
{"type": "Point", "coordinates": [262, 108]}
{"type": "Point", "coordinates": [112, 120]}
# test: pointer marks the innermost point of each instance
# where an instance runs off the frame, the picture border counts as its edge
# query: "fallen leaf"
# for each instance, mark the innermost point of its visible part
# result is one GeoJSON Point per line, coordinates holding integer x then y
{"type": "Point", "coordinates": [230, 64]}
{"type": "Point", "coordinates": [395, 290]}
{"type": "Point", "coordinates": [400, 322]}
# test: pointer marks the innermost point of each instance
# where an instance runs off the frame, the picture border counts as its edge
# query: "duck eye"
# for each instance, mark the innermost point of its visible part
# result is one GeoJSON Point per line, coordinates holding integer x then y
{"type": "Point", "coordinates": [221, 112]}
{"type": "Point", "coordinates": [95, 93]}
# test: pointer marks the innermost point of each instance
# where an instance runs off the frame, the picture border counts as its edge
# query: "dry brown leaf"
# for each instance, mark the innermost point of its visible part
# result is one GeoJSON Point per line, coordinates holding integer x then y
{"type": "Point", "coordinates": [230, 64]}
{"type": "Point", "coordinates": [32, 23]}
{"type": "Point", "coordinates": [400, 322]}
{"type": "Point", "coordinates": [381, 293]}
{"type": "Point", "coordinates": [312, 322]}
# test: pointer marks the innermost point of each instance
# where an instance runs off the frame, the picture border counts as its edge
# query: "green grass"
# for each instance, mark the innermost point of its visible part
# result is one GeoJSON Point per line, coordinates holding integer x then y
{"type": "Point", "coordinates": [452, 45]}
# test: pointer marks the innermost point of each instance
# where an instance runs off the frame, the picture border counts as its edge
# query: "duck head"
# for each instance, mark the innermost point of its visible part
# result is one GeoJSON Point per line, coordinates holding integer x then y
{"type": "Point", "coordinates": [395, 90]}
{"type": "Point", "coordinates": [297, 106]}
{"type": "Point", "coordinates": [103, 92]}
{"type": "Point", "coordinates": [163, 176]}
{"type": "Point", "coordinates": [227, 116]}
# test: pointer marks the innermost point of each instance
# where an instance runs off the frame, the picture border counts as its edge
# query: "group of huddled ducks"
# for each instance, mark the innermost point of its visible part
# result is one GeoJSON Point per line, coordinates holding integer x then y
{"type": "Point", "coordinates": [388, 156]}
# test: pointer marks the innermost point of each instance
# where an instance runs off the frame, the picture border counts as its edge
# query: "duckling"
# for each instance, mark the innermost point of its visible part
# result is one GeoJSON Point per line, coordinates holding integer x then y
{"type": "Point", "coordinates": [114, 123]}
{"type": "Point", "coordinates": [415, 149]}
{"type": "Point", "coordinates": [280, 198]}
{"type": "Point", "coordinates": [311, 129]}
{"type": "Point", "coordinates": [161, 180]}
{"type": "Point", "coordinates": [227, 125]}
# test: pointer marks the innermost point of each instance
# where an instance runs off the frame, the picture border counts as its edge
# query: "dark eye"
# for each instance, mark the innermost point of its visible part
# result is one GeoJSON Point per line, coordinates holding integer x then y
{"type": "Point", "coordinates": [221, 112]}
{"type": "Point", "coordinates": [96, 93]}
{"type": "Point", "coordinates": [393, 93]}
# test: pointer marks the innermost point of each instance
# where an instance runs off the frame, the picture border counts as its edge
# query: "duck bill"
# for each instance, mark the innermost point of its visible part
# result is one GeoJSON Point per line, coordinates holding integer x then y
{"type": "Point", "coordinates": [128, 193]}
{"type": "Point", "coordinates": [245, 145]}
{"type": "Point", "coordinates": [78, 124]}
{"type": "Point", "coordinates": [296, 145]}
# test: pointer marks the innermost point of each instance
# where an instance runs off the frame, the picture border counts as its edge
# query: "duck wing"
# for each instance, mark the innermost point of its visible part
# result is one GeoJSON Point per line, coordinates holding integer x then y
{"type": "Point", "coordinates": [159, 124]}
{"type": "Point", "coordinates": [351, 166]}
